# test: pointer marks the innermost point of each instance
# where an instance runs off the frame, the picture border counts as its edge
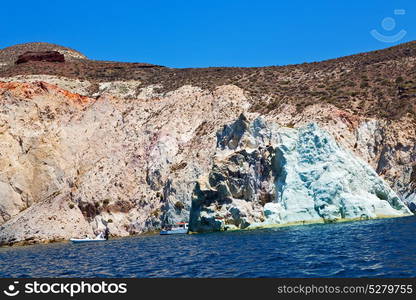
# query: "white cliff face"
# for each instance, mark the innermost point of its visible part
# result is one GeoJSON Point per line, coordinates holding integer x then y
{"type": "Point", "coordinates": [268, 175]}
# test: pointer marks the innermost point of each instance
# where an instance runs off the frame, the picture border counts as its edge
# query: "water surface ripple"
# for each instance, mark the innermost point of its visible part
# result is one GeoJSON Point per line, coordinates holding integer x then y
{"type": "Point", "coordinates": [375, 248]}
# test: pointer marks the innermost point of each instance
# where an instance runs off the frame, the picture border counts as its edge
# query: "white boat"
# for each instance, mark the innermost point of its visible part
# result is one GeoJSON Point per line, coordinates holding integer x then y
{"type": "Point", "coordinates": [98, 238]}
{"type": "Point", "coordinates": [179, 228]}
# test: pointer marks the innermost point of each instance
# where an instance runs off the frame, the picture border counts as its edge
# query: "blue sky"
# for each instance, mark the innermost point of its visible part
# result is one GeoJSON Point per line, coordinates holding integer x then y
{"type": "Point", "coordinates": [209, 33]}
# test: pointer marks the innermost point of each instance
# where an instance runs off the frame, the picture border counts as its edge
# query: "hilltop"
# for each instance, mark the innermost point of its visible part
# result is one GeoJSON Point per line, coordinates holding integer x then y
{"type": "Point", "coordinates": [376, 84]}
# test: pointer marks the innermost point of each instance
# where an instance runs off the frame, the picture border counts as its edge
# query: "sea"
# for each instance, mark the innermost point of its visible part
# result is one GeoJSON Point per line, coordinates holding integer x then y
{"type": "Point", "coordinates": [372, 248]}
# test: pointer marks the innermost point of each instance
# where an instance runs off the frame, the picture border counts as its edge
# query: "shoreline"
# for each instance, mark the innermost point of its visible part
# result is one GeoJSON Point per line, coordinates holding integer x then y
{"type": "Point", "coordinates": [259, 227]}
{"type": "Point", "coordinates": [310, 222]}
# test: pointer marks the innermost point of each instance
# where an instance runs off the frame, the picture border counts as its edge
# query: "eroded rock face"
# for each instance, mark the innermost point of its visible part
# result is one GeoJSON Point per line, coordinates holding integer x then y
{"type": "Point", "coordinates": [129, 157]}
{"type": "Point", "coordinates": [49, 56]}
{"type": "Point", "coordinates": [268, 175]}
{"type": "Point", "coordinates": [129, 165]}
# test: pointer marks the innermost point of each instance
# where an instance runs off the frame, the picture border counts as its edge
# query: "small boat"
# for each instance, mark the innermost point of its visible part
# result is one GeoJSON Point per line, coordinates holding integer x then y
{"type": "Point", "coordinates": [98, 238]}
{"type": "Point", "coordinates": [179, 228]}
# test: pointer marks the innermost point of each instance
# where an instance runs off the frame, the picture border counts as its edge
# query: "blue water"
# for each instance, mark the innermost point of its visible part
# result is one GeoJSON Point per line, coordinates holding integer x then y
{"type": "Point", "coordinates": [375, 248]}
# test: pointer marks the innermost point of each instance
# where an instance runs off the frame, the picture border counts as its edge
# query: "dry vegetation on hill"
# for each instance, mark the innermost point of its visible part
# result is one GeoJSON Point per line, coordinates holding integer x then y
{"type": "Point", "coordinates": [377, 84]}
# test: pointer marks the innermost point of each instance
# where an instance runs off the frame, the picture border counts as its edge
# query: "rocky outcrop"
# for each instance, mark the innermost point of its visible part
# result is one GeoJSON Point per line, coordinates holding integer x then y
{"type": "Point", "coordinates": [130, 165]}
{"type": "Point", "coordinates": [9, 55]}
{"type": "Point", "coordinates": [267, 175]}
{"type": "Point", "coordinates": [49, 56]}
{"type": "Point", "coordinates": [53, 219]}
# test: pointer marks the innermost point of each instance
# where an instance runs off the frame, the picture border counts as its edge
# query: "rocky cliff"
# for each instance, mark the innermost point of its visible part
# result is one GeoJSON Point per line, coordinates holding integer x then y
{"type": "Point", "coordinates": [264, 175]}
{"type": "Point", "coordinates": [51, 56]}
{"type": "Point", "coordinates": [137, 147]}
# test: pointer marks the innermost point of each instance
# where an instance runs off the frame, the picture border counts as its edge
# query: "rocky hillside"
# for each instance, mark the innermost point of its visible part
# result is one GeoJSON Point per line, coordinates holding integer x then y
{"type": "Point", "coordinates": [87, 144]}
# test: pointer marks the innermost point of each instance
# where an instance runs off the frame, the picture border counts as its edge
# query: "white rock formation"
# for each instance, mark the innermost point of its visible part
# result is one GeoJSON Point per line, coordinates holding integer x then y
{"type": "Point", "coordinates": [268, 175]}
